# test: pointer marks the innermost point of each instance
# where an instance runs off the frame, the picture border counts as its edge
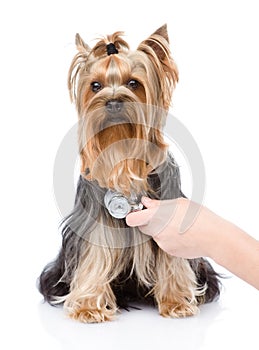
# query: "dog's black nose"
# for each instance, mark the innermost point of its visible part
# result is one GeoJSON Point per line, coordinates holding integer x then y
{"type": "Point", "coordinates": [114, 106]}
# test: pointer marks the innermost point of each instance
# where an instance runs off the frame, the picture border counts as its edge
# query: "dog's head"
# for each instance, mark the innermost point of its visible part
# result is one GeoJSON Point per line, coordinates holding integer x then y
{"type": "Point", "coordinates": [122, 98]}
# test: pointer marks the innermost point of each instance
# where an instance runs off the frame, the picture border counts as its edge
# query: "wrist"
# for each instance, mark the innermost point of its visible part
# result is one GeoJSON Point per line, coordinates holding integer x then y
{"type": "Point", "coordinates": [212, 234]}
{"type": "Point", "coordinates": [222, 241]}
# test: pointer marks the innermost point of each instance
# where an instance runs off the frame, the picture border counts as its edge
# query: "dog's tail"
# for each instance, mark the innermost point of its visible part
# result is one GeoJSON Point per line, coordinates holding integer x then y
{"type": "Point", "coordinates": [55, 279]}
{"type": "Point", "coordinates": [51, 283]}
{"type": "Point", "coordinates": [206, 275]}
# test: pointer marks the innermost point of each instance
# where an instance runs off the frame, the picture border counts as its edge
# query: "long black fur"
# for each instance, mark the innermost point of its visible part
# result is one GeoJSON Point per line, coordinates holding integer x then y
{"type": "Point", "coordinates": [55, 279]}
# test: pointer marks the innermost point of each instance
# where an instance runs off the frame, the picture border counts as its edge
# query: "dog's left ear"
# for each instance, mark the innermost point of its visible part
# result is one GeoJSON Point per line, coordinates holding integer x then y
{"type": "Point", "coordinates": [158, 42]}
{"type": "Point", "coordinates": [162, 31]}
{"type": "Point", "coordinates": [156, 47]}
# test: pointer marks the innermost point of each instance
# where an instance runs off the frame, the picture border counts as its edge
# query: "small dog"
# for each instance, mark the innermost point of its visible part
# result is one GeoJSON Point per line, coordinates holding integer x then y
{"type": "Point", "coordinates": [122, 98]}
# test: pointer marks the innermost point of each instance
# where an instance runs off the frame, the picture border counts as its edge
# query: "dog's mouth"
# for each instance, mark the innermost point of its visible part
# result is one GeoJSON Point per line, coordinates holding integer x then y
{"type": "Point", "coordinates": [112, 120]}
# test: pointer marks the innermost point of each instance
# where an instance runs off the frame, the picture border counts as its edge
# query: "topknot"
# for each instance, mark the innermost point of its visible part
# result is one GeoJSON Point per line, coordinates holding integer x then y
{"type": "Point", "coordinates": [100, 49]}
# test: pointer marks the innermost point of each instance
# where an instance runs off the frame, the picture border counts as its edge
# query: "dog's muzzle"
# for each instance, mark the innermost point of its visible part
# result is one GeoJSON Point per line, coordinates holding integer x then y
{"type": "Point", "coordinates": [114, 106]}
{"type": "Point", "coordinates": [120, 206]}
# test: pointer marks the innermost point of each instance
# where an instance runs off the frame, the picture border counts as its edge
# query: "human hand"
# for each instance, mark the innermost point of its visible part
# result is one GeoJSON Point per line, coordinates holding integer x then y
{"type": "Point", "coordinates": [164, 221]}
{"type": "Point", "coordinates": [204, 234]}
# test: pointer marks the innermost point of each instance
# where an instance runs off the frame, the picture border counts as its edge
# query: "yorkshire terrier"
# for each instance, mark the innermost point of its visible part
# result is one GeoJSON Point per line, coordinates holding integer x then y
{"type": "Point", "coordinates": [122, 99]}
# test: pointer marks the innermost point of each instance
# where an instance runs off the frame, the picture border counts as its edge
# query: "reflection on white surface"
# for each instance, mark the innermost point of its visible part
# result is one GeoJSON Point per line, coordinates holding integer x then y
{"type": "Point", "coordinates": [226, 324]}
{"type": "Point", "coordinates": [131, 330]}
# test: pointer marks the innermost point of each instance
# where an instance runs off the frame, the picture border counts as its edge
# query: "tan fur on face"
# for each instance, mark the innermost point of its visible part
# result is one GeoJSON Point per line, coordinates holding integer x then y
{"type": "Point", "coordinates": [146, 109]}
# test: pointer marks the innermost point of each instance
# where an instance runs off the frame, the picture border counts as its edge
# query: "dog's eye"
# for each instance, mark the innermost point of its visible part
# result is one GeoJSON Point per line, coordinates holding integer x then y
{"type": "Point", "coordinates": [96, 86]}
{"type": "Point", "coordinates": [133, 84]}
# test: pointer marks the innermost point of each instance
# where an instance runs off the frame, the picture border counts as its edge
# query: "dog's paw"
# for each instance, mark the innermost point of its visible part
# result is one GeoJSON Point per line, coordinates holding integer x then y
{"type": "Point", "coordinates": [178, 310]}
{"type": "Point", "coordinates": [93, 316]}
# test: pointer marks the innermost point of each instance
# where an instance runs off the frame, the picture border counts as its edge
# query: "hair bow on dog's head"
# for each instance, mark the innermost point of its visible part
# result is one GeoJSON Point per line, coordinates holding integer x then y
{"type": "Point", "coordinates": [111, 49]}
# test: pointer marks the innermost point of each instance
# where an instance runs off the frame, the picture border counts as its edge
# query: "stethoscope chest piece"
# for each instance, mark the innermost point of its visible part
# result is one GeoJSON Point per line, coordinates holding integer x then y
{"type": "Point", "coordinates": [119, 206]}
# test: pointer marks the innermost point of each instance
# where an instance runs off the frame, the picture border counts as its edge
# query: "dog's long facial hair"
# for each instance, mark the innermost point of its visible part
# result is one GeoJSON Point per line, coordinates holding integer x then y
{"type": "Point", "coordinates": [122, 98]}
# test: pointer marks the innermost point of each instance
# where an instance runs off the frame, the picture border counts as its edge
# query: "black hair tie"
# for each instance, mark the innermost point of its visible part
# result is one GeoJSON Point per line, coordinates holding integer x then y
{"type": "Point", "coordinates": [111, 49]}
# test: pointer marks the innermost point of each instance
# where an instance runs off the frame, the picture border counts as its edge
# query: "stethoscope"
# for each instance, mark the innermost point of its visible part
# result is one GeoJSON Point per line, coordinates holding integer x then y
{"type": "Point", "coordinates": [119, 206]}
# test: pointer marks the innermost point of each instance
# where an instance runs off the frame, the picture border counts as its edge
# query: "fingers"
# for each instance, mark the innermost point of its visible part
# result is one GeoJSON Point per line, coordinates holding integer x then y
{"type": "Point", "coordinates": [144, 219]}
{"type": "Point", "coordinates": [141, 218]}
{"type": "Point", "coordinates": [138, 218]}
{"type": "Point", "coordinates": [153, 220]}
{"type": "Point", "coordinates": [150, 203]}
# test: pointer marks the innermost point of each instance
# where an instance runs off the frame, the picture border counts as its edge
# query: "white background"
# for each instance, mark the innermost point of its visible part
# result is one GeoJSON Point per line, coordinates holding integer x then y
{"type": "Point", "coordinates": [215, 44]}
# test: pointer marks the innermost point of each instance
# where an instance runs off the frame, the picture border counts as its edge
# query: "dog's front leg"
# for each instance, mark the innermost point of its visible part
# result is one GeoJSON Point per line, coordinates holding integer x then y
{"type": "Point", "coordinates": [91, 299]}
{"type": "Point", "coordinates": [176, 288]}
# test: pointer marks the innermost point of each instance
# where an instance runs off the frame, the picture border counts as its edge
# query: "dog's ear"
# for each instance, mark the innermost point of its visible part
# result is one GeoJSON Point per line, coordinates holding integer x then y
{"type": "Point", "coordinates": [156, 47]}
{"type": "Point", "coordinates": [81, 45]}
{"type": "Point", "coordinates": [77, 65]}
{"type": "Point", "coordinates": [158, 42]}
{"type": "Point", "coordinates": [162, 31]}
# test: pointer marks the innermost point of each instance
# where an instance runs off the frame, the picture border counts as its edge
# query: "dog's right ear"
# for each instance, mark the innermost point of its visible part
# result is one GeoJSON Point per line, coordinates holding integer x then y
{"type": "Point", "coordinates": [76, 67]}
{"type": "Point", "coordinates": [81, 45]}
